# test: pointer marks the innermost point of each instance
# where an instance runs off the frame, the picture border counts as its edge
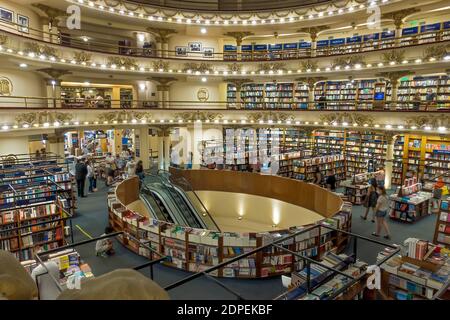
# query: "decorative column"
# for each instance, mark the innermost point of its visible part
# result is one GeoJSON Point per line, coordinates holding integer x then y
{"type": "Point", "coordinates": [162, 40]}
{"type": "Point", "coordinates": [163, 90]}
{"type": "Point", "coordinates": [56, 144]}
{"type": "Point", "coordinates": [239, 36]}
{"type": "Point", "coordinates": [398, 17]}
{"type": "Point", "coordinates": [313, 33]}
{"type": "Point", "coordinates": [311, 81]}
{"type": "Point", "coordinates": [394, 78]}
{"type": "Point", "coordinates": [164, 148]}
{"type": "Point", "coordinates": [46, 29]}
{"type": "Point", "coordinates": [141, 146]}
{"type": "Point", "coordinates": [389, 163]}
{"type": "Point", "coordinates": [50, 22]}
{"type": "Point", "coordinates": [53, 86]}
{"type": "Point", "coordinates": [54, 32]}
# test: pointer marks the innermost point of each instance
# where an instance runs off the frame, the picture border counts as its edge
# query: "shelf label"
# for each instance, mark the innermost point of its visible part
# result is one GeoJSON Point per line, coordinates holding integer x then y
{"type": "Point", "coordinates": [408, 31]}
{"type": "Point", "coordinates": [431, 27]}
{"type": "Point", "coordinates": [335, 42]}
{"type": "Point", "coordinates": [290, 46]}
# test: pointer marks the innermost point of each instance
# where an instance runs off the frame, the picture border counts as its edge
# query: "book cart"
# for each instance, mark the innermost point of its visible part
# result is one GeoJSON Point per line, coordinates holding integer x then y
{"type": "Point", "coordinates": [196, 250]}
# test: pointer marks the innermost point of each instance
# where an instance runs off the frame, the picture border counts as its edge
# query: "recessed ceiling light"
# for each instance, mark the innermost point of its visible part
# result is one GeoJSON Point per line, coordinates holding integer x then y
{"type": "Point", "coordinates": [23, 65]}
{"type": "Point", "coordinates": [203, 30]}
{"type": "Point", "coordinates": [204, 79]}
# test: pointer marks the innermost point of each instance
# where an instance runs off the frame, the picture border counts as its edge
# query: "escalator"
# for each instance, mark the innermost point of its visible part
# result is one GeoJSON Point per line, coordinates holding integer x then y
{"type": "Point", "coordinates": [173, 204]}
{"type": "Point", "coordinates": [155, 206]}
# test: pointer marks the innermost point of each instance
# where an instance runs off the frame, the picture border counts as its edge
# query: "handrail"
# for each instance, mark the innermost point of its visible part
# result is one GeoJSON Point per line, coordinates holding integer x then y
{"type": "Point", "coordinates": [230, 6]}
{"type": "Point", "coordinates": [161, 181]}
{"type": "Point", "coordinates": [68, 41]}
{"type": "Point", "coordinates": [26, 102]}
{"type": "Point", "coordinates": [191, 189]}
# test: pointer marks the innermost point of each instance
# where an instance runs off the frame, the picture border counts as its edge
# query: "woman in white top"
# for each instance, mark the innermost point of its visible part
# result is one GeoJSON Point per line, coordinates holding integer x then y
{"type": "Point", "coordinates": [381, 210]}
{"type": "Point", "coordinates": [131, 167]}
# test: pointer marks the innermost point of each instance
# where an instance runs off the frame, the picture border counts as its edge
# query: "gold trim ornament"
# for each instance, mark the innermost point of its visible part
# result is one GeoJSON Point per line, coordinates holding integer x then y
{"type": "Point", "coordinates": [6, 86]}
{"type": "Point", "coordinates": [202, 94]}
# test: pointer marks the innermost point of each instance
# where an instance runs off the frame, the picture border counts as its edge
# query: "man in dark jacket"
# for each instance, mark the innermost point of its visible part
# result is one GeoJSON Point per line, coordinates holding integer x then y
{"type": "Point", "coordinates": [80, 175]}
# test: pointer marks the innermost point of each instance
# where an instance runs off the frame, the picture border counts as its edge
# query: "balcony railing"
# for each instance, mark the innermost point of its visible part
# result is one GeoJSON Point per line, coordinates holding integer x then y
{"type": "Point", "coordinates": [83, 43]}
{"type": "Point", "coordinates": [21, 102]}
{"type": "Point", "coordinates": [230, 5]}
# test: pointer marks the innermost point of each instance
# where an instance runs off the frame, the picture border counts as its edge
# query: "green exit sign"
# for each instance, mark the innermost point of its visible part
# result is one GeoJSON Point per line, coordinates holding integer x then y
{"type": "Point", "coordinates": [414, 23]}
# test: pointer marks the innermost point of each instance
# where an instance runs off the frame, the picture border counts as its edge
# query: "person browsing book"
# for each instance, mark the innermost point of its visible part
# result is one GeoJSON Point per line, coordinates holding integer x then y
{"type": "Point", "coordinates": [381, 210]}
{"type": "Point", "coordinates": [104, 247]}
{"type": "Point", "coordinates": [81, 172]}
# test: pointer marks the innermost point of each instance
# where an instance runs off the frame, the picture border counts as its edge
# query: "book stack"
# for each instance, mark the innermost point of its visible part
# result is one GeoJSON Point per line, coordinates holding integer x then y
{"type": "Point", "coordinates": [416, 248]}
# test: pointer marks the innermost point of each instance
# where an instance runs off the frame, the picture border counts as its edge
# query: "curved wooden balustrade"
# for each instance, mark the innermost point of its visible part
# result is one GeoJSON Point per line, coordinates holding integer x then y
{"type": "Point", "coordinates": [292, 191]}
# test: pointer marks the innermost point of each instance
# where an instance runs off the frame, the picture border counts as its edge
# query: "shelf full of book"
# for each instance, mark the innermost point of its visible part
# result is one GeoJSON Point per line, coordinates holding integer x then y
{"type": "Point", "coordinates": [305, 168]}
{"type": "Point", "coordinates": [442, 230]}
{"type": "Point", "coordinates": [196, 250]}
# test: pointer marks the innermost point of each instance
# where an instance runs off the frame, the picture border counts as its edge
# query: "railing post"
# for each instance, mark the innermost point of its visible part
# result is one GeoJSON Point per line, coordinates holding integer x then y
{"type": "Point", "coordinates": [308, 276]}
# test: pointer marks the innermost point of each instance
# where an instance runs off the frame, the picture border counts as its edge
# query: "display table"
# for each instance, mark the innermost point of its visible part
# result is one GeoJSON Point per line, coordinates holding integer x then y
{"type": "Point", "coordinates": [406, 278]}
{"type": "Point", "coordinates": [410, 208]}
{"type": "Point", "coordinates": [355, 192]}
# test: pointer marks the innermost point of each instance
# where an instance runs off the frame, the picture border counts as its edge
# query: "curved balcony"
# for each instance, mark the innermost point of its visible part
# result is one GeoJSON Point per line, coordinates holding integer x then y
{"type": "Point", "coordinates": [231, 5]}
{"type": "Point", "coordinates": [83, 104]}
{"type": "Point", "coordinates": [364, 44]}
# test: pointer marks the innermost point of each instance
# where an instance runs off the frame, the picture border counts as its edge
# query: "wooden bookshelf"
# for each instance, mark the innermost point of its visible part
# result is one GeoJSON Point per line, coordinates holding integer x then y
{"type": "Point", "coordinates": [195, 250]}
{"type": "Point", "coordinates": [442, 229]}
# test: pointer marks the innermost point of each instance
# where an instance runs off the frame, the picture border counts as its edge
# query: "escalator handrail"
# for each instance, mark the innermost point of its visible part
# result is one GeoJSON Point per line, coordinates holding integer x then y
{"type": "Point", "coordinates": [152, 209]}
{"type": "Point", "coordinates": [174, 201]}
{"type": "Point", "coordinates": [191, 189]}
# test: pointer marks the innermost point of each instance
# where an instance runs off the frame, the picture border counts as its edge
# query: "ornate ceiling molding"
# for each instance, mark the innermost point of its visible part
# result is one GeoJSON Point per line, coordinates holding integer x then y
{"type": "Point", "coordinates": [238, 82]}
{"type": "Point", "coordinates": [313, 31]}
{"type": "Point", "coordinates": [311, 81]}
{"type": "Point", "coordinates": [399, 16]}
{"type": "Point", "coordinates": [164, 81]}
{"type": "Point", "coordinates": [162, 35]}
{"type": "Point", "coordinates": [238, 36]}
{"type": "Point", "coordinates": [3, 39]}
{"type": "Point", "coordinates": [54, 73]}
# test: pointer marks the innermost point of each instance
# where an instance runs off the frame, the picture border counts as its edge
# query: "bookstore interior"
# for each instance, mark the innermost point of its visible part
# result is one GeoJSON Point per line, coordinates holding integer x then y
{"type": "Point", "coordinates": [269, 150]}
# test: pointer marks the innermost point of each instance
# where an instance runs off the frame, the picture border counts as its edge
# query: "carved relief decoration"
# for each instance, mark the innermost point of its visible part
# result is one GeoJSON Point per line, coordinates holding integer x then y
{"type": "Point", "coordinates": [198, 67]}
{"type": "Point", "coordinates": [123, 62]}
{"type": "Point", "coordinates": [82, 56]}
{"type": "Point", "coordinates": [271, 66]}
{"type": "Point", "coordinates": [6, 86]}
{"type": "Point", "coordinates": [348, 61]}
{"type": "Point", "coordinates": [394, 55]}
{"type": "Point", "coordinates": [42, 117]}
{"type": "Point", "coordinates": [122, 115]}
{"type": "Point", "coordinates": [235, 67]}
{"type": "Point", "coordinates": [438, 52]}
{"type": "Point", "coordinates": [269, 116]}
{"type": "Point", "coordinates": [428, 120]}
{"type": "Point", "coordinates": [161, 65]}
{"type": "Point", "coordinates": [308, 65]}
{"type": "Point", "coordinates": [34, 47]}
{"type": "Point", "coordinates": [194, 116]}
{"type": "Point", "coordinates": [350, 118]}
{"type": "Point", "coordinates": [3, 39]}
